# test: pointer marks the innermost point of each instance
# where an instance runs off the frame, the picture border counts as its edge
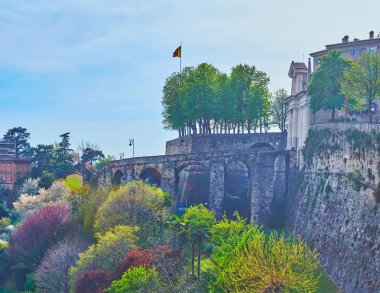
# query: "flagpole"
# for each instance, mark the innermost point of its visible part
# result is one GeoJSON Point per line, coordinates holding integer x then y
{"type": "Point", "coordinates": [180, 60]}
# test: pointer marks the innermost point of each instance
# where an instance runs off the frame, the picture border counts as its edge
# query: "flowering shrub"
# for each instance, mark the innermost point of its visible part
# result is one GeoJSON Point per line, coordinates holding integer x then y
{"type": "Point", "coordinates": [27, 203]}
{"type": "Point", "coordinates": [52, 274]}
{"type": "Point", "coordinates": [37, 233]}
{"type": "Point", "coordinates": [30, 186]}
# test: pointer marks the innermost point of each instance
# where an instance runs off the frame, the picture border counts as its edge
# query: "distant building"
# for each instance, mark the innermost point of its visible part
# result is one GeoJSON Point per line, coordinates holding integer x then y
{"type": "Point", "coordinates": [350, 49]}
{"type": "Point", "coordinates": [299, 115]}
{"type": "Point", "coordinates": [11, 168]}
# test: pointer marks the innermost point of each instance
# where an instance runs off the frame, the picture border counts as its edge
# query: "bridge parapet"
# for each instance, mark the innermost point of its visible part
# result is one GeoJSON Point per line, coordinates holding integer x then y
{"type": "Point", "coordinates": [223, 142]}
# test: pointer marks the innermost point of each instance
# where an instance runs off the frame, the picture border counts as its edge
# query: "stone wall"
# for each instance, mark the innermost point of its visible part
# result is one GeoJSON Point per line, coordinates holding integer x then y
{"type": "Point", "coordinates": [223, 142]}
{"type": "Point", "coordinates": [335, 210]}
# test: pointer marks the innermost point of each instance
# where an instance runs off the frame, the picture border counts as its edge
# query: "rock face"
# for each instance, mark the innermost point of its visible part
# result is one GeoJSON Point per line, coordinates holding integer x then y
{"type": "Point", "coordinates": [336, 209]}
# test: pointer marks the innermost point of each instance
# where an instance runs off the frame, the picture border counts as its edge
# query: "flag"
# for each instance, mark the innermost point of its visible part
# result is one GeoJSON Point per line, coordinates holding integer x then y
{"type": "Point", "coordinates": [177, 52]}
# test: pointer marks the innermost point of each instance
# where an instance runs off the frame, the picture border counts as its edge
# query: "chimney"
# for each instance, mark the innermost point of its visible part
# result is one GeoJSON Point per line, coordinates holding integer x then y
{"type": "Point", "coordinates": [371, 34]}
{"type": "Point", "coordinates": [345, 39]}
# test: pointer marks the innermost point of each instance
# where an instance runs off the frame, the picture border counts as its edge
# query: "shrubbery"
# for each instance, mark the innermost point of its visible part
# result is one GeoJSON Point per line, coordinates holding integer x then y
{"type": "Point", "coordinates": [37, 233]}
{"type": "Point", "coordinates": [111, 247]}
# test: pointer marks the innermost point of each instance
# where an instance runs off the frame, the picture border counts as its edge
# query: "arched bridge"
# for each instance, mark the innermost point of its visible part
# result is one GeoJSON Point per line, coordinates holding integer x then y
{"type": "Point", "coordinates": [250, 177]}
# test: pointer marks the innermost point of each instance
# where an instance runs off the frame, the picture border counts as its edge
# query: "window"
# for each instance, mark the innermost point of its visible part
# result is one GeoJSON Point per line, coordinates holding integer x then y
{"type": "Point", "coordinates": [372, 49]}
{"type": "Point", "coordinates": [356, 52]}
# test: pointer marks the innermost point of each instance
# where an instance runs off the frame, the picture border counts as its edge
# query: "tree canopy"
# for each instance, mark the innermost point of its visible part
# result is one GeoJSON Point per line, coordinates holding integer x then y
{"type": "Point", "coordinates": [204, 100]}
{"type": "Point", "coordinates": [325, 84]}
{"type": "Point", "coordinates": [362, 81]}
{"type": "Point", "coordinates": [19, 136]}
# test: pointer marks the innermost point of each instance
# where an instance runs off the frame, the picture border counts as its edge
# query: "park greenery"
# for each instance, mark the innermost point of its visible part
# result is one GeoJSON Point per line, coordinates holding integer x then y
{"type": "Point", "coordinates": [77, 238]}
{"type": "Point", "coordinates": [339, 82]}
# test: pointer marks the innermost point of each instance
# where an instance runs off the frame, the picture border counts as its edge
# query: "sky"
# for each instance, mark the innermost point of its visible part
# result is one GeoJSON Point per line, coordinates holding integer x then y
{"type": "Point", "coordinates": [96, 68]}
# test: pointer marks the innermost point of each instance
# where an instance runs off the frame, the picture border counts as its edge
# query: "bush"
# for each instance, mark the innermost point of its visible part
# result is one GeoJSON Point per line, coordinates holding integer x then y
{"type": "Point", "coordinates": [267, 264]}
{"type": "Point", "coordinates": [52, 274]}
{"type": "Point", "coordinates": [37, 233]}
{"type": "Point", "coordinates": [93, 281]}
{"type": "Point", "coordinates": [104, 255]}
{"type": "Point", "coordinates": [4, 223]}
{"type": "Point", "coordinates": [136, 203]}
{"type": "Point", "coordinates": [137, 280]}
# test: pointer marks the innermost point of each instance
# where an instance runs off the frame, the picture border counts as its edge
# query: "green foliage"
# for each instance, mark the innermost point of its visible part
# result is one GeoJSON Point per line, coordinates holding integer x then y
{"type": "Point", "coordinates": [19, 136]}
{"type": "Point", "coordinates": [279, 109]}
{"type": "Point", "coordinates": [324, 88]}
{"type": "Point", "coordinates": [4, 223]}
{"type": "Point", "coordinates": [355, 180]}
{"type": "Point", "coordinates": [362, 81]}
{"type": "Point", "coordinates": [30, 283]}
{"type": "Point", "coordinates": [111, 247]}
{"type": "Point", "coordinates": [199, 221]}
{"type": "Point", "coordinates": [74, 182]}
{"type": "Point", "coordinates": [137, 279]}
{"type": "Point", "coordinates": [203, 100]}
{"type": "Point", "coordinates": [268, 264]}
{"type": "Point", "coordinates": [226, 235]}
{"type": "Point", "coordinates": [136, 203]}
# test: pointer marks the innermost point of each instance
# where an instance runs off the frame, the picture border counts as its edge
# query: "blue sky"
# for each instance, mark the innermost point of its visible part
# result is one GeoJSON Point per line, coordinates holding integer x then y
{"type": "Point", "coordinates": [96, 68]}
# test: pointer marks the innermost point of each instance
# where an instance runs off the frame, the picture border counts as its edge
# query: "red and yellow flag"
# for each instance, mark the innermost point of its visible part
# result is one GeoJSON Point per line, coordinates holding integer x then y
{"type": "Point", "coordinates": [177, 52]}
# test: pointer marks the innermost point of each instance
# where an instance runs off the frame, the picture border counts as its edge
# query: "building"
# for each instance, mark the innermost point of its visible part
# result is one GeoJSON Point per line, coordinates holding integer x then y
{"type": "Point", "coordinates": [299, 116]}
{"type": "Point", "coordinates": [11, 167]}
{"type": "Point", "coordinates": [350, 49]}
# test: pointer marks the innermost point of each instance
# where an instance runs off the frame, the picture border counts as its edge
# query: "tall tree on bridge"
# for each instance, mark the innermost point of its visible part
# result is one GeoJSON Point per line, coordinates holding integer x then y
{"type": "Point", "coordinates": [204, 100]}
{"type": "Point", "coordinates": [279, 110]}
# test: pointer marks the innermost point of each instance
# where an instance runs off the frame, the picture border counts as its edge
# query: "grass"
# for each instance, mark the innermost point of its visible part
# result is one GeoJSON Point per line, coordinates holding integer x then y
{"type": "Point", "coordinates": [326, 285]}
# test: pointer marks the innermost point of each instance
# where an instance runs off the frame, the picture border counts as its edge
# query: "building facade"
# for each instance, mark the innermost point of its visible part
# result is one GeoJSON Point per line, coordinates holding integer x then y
{"type": "Point", "coordinates": [11, 167]}
{"type": "Point", "coordinates": [299, 115]}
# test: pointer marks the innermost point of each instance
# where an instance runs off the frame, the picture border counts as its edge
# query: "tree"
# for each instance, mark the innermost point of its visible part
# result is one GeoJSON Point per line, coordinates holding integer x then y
{"type": "Point", "coordinates": [172, 102]}
{"type": "Point", "coordinates": [137, 279]}
{"type": "Point", "coordinates": [19, 136]}
{"type": "Point", "coordinates": [362, 80]}
{"type": "Point", "coordinates": [37, 233]}
{"type": "Point", "coordinates": [324, 88]}
{"type": "Point", "coordinates": [52, 274]}
{"type": "Point", "coordinates": [64, 157]}
{"type": "Point", "coordinates": [199, 221]}
{"type": "Point", "coordinates": [279, 110]}
{"type": "Point", "coordinates": [93, 281]}
{"type": "Point", "coordinates": [198, 93]}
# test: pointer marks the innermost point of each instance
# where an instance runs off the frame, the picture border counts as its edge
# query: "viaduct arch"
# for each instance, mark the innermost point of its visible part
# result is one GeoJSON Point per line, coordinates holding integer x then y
{"type": "Point", "coordinates": [251, 180]}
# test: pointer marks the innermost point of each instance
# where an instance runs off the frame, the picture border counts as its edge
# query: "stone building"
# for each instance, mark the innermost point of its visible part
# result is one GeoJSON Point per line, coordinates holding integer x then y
{"type": "Point", "coordinates": [11, 167]}
{"type": "Point", "coordinates": [299, 115]}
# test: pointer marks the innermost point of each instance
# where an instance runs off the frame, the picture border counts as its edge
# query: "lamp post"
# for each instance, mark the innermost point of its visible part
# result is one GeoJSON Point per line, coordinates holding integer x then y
{"type": "Point", "coordinates": [132, 144]}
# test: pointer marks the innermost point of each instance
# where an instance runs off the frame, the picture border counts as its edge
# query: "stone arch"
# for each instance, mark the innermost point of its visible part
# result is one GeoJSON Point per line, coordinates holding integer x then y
{"type": "Point", "coordinates": [151, 175]}
{"type": "Point", "coordinates": [261, 146]}
{"type": "Point", "coordinates": [116, 179]}
{"type": "Point", "coordinates": [237, 189]}
{"type": "Point", "coordinates": [192, 185]}
{"type": "Point", "coordinates": [278, 201]}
